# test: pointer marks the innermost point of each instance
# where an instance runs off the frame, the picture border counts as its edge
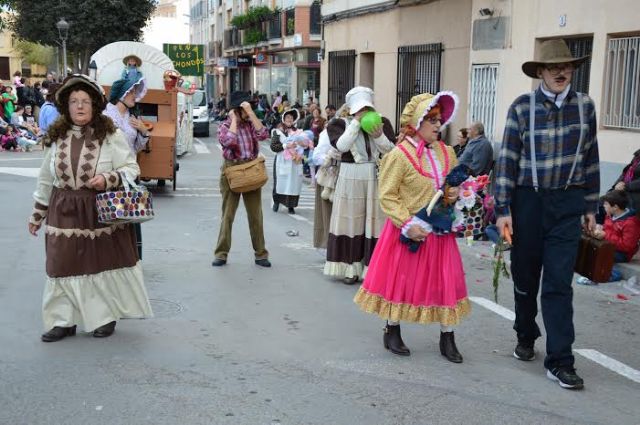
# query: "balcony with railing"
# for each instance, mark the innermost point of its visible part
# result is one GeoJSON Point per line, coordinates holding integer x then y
{"type": "Point", "coordinates": [231, 38]}
{"type": "Point", "coordinates": [274, 27]}
{"type": "Point", "coordinates": [214, 49]}
{"type": "Point", "coordinates": [290, 21]}
{"type": "Point", "coordinates": [315, 18]}
{"type": "Point", "coordinates": [253, 35]}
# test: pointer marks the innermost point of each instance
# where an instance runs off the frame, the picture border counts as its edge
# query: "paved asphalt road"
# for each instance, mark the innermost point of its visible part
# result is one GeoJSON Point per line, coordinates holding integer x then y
{"type": "Point", "coordinates": [246, 345]}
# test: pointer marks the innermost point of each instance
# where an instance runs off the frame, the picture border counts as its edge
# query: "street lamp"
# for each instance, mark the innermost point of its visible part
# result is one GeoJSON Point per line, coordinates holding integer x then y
{"type": "Point", "coordinates": [63, 31]}
{"type": "Point", "coordinates": [93, 70]}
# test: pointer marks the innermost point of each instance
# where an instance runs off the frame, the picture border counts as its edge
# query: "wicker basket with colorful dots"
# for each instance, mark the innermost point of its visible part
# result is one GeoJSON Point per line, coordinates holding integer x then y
{"type": "Point", "coordinates": [473, 220]}
{"type": "Point", "coordinates": [130, 204]}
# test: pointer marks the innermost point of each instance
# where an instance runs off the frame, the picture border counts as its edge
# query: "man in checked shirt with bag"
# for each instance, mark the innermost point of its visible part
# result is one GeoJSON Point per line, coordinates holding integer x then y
{"type": "Point", "coordinates": [239, 136]}
{"type": "Point", "coordinates": [547, 184]}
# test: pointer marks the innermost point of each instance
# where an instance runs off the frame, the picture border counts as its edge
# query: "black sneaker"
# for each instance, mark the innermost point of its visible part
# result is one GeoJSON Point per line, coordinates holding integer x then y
{"type": "Point", "coordinates": [524, 351]}
{"type": "Point", "coordinates": [566, 376]}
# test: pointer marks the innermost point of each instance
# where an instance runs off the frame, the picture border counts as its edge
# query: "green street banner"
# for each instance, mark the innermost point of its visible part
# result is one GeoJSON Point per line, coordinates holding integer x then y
{"type": "Point", "coordinates": [188, 59]}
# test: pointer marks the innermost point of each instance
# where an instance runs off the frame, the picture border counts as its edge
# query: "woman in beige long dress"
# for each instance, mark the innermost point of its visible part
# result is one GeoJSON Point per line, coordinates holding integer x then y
{"type": "Point", "coordinates": [94, 275]}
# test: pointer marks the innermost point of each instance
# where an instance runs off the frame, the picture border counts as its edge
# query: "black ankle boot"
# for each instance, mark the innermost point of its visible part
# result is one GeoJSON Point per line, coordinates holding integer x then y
{"type": "Point", "coordinates": [448, 347]}
{"type": "Point", "coordinates": [57, 333]}
{"type": "Point", "coordinates": [105, 330]}
{"type": "Point", "coordinates": [393, 340]}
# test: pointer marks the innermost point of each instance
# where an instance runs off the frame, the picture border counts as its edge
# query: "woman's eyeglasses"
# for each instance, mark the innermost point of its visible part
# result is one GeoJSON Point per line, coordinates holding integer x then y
{"type": "Point", "coordinates": [76, 102]}
{"type": "Point", "coordinates": [434, 120]}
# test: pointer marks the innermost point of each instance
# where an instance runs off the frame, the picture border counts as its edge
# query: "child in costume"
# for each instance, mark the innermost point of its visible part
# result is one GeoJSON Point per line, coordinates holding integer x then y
{"type": "Point", "coordinates": [131, 71]}
{"type": "Point", "coordinates": [287, 171]}
{"type": "Point", "coordinates": [296, 144]}
{"type": "Point", "coordinates": [442, 215]}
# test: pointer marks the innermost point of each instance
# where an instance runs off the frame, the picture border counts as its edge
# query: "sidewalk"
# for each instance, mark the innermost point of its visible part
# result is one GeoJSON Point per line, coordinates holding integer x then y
{"type": "Point", "coordinates": [614, 291]}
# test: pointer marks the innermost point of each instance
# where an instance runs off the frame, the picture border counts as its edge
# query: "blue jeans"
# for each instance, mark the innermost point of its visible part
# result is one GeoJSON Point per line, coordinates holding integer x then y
{"type": "Point", "coordinates": [620, 257]}
{"type": "Point", "coordinates": [491, 231]}
{"type": "Point", "coordinates": [546, 232]}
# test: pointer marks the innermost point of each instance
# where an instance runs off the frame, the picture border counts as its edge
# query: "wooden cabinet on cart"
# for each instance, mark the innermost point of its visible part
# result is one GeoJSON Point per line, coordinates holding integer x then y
{"type": "Point", "coordinates": [159, 161]}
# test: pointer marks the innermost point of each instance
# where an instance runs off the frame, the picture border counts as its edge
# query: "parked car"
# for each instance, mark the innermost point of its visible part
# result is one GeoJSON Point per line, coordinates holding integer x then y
{"type": "Point", "coordinates": [200, 114]}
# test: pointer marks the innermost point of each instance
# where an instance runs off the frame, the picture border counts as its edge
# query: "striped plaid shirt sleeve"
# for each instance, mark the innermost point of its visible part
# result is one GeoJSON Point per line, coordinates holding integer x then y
{"type": "Point", "coordinates": [556, 134]}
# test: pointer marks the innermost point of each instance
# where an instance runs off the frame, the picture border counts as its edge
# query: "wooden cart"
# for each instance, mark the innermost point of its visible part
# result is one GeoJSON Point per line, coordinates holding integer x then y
{"type": "Point", "coordinates": [159, 161]}
{"type": "Point", "coordinates": [170, 112]}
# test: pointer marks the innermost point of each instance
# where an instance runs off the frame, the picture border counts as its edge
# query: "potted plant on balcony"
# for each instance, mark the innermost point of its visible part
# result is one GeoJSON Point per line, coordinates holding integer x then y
{"type": "Point", "coordinates": [254, 17]}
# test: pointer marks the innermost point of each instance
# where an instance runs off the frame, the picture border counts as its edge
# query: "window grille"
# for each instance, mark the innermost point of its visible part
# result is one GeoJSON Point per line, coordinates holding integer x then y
{"type": "Point", "coordinates": [581, 47]}
{"type": "Point", "coordinates": [315, 16]}
{"type": "Point", "coordinates": [622, 84]}
{"type": "Point", "coordinates": [342, 66]}
{"type": "Point", "coordinates": [482, 106]}
{"type": "Point", "coordinates": [418, 72]}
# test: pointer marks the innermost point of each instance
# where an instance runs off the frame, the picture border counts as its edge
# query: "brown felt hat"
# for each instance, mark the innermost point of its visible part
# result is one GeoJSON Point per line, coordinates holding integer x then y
{"type": "Point", "coordinates": [551, 52]}
{"type": "Point", "coordinates": [125, 60]}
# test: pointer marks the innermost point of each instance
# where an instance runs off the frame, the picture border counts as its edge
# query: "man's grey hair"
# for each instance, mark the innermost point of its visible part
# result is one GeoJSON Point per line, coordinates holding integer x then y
{"type": "Point", "coordinates": [479, 127]}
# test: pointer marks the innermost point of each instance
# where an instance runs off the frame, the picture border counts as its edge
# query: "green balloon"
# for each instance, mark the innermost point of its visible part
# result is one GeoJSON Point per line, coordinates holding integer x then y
{"type": "Point", "coordinates": [370, 121]}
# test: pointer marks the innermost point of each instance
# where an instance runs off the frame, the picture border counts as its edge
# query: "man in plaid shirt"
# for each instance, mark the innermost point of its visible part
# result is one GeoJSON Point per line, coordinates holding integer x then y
{"type": "Point", "coordinates": [546, 186]}
{"type": "Point", "coordinates": [239, 136]}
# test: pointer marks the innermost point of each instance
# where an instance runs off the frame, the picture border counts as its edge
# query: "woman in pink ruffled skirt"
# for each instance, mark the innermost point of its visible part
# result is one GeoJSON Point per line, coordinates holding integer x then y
{"type": "Point", "coordinates": [428, 285]}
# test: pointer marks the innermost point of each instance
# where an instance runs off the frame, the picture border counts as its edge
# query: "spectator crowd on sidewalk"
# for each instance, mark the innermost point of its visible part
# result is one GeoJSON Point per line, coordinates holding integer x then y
{"type": "Point", "coordinates": [21, 112]}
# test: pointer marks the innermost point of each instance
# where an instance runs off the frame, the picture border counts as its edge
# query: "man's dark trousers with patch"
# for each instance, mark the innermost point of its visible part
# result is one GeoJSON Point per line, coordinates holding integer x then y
{"type": "Point", "coordinates": [546, 233]}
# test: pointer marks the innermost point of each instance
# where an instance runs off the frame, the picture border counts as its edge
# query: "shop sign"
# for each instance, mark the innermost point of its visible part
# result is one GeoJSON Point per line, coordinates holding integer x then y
{"type": "Point", "coordinates": [188, 59]}
{"type": "Point", "coordinates": [262, 58]}
{"type": "Point", "coordinates": [244, 62]}
{"type": "Point", "coordinates": [227, 62]}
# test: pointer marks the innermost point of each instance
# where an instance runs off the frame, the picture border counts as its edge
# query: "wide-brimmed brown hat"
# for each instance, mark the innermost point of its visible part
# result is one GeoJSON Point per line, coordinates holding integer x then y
{"type": "Point", "coordinates": [125, 60]}
{"type": "Point", "coordinates": [78, 80]}
{"type": "Point", "coordinates": [551, 52]}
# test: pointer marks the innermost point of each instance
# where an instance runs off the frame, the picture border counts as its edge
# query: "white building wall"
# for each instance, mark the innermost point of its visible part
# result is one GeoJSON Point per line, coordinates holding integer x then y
{"type": "Point", "coordinates": [540, 19]}
{"type": "Point", "coordinates": [168, 30]}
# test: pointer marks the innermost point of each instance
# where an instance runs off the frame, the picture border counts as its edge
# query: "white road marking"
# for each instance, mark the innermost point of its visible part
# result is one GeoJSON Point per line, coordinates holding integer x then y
{"type": "Point", "coordinates": [609, 363]}
{"type": "Point", "coordinates": [496, 308]}
{"type": "Point", "coordinates": [300, 218]}
{"type": "Point", "coordinates": [593, 355]}
{"type": "Point", "coordinates": [200, 146]}
{"type": "Point", "coordinates": [19, 171]}
{"type": "Point", "coordinates": [219, 146]}
{"type": "Point", "coordinates": [33, 158]}
{"type": "Point", "coordinates": [265, 149]}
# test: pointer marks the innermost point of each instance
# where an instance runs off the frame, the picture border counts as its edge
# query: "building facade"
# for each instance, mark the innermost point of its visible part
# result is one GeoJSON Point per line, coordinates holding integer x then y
{"type": "Point", "coordinates": [476, 48]}
{"type": "Point", "coordinates": [280, 53]}
{"type": "Point", "coordinates": [11, 60]}
{"type": "Point", "coordinates": [398, 49]}
{"type": "Point", "coordinates": [610, 33]}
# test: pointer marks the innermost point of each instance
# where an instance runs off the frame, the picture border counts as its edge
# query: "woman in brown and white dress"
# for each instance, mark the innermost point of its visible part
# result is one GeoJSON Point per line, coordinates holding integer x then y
{"type": "Point", "coordinates": [94, 275]}
{"type": "Point", "coordinates": [356, 217]}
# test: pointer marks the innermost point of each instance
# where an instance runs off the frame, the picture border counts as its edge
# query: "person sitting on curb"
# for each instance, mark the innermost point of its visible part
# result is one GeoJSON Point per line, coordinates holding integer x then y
{"type": "Point", "coordinates": [621, 228]}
